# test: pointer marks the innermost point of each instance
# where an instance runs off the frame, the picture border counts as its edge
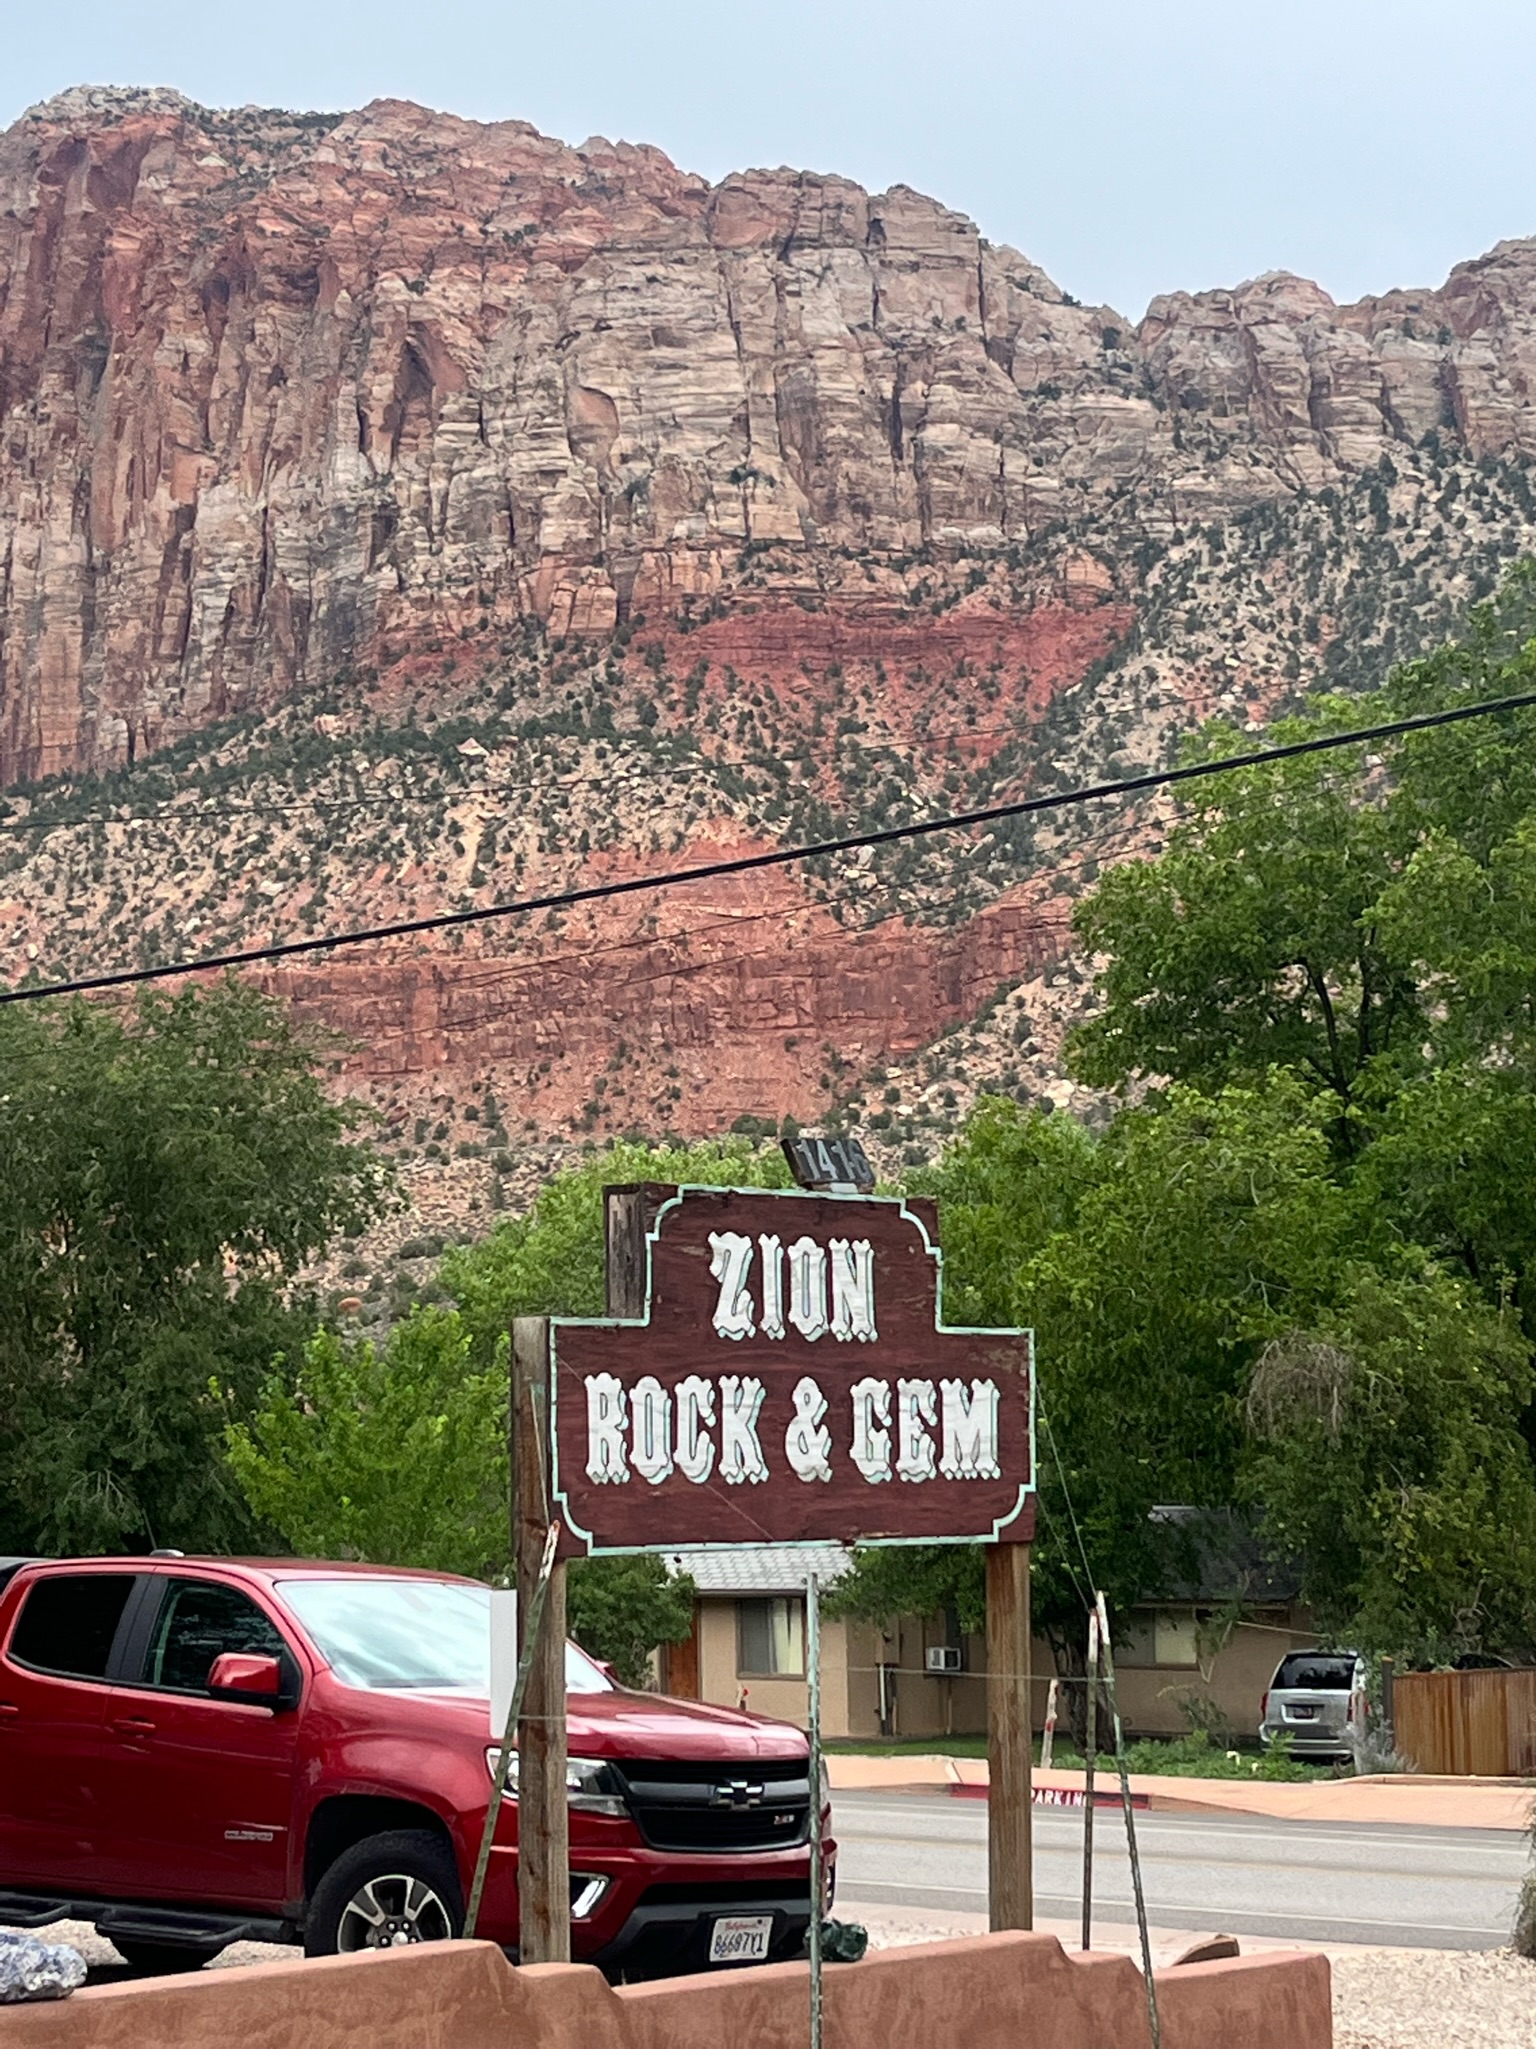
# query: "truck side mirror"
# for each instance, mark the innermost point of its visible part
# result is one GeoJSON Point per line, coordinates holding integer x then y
{"type": "Point", "coordinates": [249, 1678]}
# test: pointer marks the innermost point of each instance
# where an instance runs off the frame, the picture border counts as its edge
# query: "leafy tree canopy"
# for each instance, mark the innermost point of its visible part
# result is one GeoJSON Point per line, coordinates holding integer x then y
{"type": "Point", "coordinates": [165, 1170]}
{"type": "Point", "coordinates": [399, 1455]}
{"type": "Point", "coordinates": [1150, 1261]}
{"type": "Point", "coordinates": [1388, 1458]}
{"type": "Point", "coordinates": [1369, 927]}
{"type": "Point", "coordinates": [1283, 1274]}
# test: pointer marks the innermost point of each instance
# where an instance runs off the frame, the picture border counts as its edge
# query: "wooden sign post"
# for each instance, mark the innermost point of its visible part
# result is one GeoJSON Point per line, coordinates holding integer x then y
{"type": "Point", "coordinates": [772, 1370]}
{"type": "Point", "coordinates": [543, 1833]}
{"type": "Point", "coordinates": [1010, 1741]}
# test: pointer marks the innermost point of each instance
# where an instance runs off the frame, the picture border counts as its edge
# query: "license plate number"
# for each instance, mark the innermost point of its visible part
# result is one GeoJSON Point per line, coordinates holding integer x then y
{"type": "Point", "coordinates": [740, 1939]}
{"type": "Point", "coordinates": [1303, 1714]}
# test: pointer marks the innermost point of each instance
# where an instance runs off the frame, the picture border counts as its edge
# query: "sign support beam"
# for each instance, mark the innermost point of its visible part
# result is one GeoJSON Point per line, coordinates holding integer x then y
{"type": "Point", "coordinates": [1010, 1817]}
{"type": "Point", "coordinates": [543, 1832]}
{"type": "Point", "coordinates": [813, 1732]}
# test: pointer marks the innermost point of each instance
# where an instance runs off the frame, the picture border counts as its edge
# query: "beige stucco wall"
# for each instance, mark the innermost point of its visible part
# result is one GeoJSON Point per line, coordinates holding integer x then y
{"type": "Point", "coordinates": [787, 1699]}
{"type": "Point", "coordinates": [921, 1704]}
{"type": "Point", "coordinates": [851, 1655]}
{"type": "Point", "coordinates": [1150, 1696]}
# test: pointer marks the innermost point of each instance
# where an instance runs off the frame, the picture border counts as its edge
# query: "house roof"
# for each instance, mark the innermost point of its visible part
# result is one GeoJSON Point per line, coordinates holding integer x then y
{"type": "Point", "coordinates": [1216, 1554]}
{"type": "Point", "coordinates": [761, 1568]}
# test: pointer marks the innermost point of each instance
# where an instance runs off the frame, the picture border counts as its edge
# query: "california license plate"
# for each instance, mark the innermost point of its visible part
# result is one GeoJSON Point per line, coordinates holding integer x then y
{"type": "Point", "coordinates": [740, 1939]}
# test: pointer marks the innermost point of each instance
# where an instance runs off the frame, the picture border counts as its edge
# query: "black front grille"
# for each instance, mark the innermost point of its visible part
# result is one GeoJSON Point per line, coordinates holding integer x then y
{"type": "Point", "coordinates": [725, 1808]}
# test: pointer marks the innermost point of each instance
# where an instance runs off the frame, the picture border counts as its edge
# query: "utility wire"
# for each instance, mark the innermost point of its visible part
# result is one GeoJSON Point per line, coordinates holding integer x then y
{"type": "Point", "coordinates": [712, 871]}
{"type": "Point", "coordinates": [1066, 1492]}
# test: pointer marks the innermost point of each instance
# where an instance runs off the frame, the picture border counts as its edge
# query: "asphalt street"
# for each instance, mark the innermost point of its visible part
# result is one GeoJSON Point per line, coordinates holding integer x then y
{"type": "Point", "coordinates": [1423, 1888]}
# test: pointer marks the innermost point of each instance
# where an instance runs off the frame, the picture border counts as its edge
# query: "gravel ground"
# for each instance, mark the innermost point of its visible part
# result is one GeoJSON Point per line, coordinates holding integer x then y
{"type": "Point", "coordinates": [1382, 1998]}
{"type": "Point", "coordinates": [1433, 1999]}
{"type": "Point", "coordinates": [106, 1967]}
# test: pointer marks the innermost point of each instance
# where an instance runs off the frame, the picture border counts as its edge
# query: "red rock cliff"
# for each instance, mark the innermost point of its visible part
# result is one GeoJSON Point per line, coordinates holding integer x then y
{"type": "Point", "coordinates": [274, 387]}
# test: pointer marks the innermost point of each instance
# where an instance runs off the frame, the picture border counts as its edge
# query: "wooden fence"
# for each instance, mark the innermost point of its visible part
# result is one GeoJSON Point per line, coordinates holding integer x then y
{"type": "Point", "coordinates": [1465, 1723]}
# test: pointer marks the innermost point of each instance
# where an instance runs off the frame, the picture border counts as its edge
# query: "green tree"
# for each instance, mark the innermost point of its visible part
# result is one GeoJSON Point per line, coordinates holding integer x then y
{"type": "Point", "coordinates": [166, 1169]}
{"type": "Point", "coordinates": [1390, 1462]}
{"type": "Point", "coordinates": [1367, 924]}
{"type": "Point", "coordinates": [1368, 928]}
{"type": "Point", "coordinates": [396, 1454]}
{"type": "Point", "coordinates": [620, 1609]}
{"type": "Point", "coordinates": [399, 1455]}
{"type": "Point", "coordinates": [1152, 1262]}
{"type": "Point", "coordinates": [1253, 942]}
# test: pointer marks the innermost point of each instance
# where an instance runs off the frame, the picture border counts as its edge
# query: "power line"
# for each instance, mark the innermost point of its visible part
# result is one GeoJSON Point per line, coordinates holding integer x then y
{"type": "Point", "coordinates": [711, 871]}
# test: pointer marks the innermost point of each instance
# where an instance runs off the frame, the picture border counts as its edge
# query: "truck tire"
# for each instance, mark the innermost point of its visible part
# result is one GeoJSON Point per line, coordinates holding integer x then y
{"type": "Point", "coordinates": [385, 1892]}
{"type": "Point", "coordinates": [160, 1959]}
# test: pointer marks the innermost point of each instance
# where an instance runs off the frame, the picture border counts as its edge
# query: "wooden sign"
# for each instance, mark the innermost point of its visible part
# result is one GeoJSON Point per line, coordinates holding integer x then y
{"type": "Point", "coordinates": [786, 1380]}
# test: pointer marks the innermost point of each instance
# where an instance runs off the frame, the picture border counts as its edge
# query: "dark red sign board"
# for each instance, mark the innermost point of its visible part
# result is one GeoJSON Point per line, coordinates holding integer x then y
{"type": "Point", "coordinates": [789, 1383]}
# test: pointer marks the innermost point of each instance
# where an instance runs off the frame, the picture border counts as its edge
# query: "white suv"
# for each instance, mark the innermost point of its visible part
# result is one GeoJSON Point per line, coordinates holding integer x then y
{"type": "Point", "coordinates": [1317, 1699]}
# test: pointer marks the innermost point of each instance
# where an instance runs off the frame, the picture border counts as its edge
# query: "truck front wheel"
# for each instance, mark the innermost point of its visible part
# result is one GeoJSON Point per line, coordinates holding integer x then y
{"type": "Point", "coordinates": [384, 1893]}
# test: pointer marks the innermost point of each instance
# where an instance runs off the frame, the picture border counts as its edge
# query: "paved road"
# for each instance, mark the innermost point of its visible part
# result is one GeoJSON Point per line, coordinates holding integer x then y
{"type": "Point", "coordinates": [1425, 1888]}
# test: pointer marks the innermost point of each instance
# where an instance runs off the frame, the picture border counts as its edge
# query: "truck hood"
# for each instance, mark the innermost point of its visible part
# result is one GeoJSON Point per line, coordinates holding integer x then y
{"type": "Point", "coordinates": [648, 1725]}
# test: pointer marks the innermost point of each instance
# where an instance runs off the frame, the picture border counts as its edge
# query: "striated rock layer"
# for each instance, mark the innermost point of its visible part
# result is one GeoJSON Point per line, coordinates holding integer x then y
{"type": "Point", "coordinates": [399, 514]}
{"type": "Point", "coordinates": [743, 995]}
{"type": "Point", "coordinates": [275, 387]}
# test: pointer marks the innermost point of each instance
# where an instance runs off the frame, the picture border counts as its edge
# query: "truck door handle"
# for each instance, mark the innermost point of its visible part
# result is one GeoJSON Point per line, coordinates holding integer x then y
{"type": "Point", "coordinates": [8, 1710]}
{"type": "Point", "coordinates": [134, 1725]}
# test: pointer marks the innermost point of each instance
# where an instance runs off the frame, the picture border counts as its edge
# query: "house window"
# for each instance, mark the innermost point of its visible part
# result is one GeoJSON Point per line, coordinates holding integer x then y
{"type": "Point", "coordinates": [1151, 1637]}
{"type": "Point", "coordinates": [1174, 1634]}
{"type": "Point", "coordinates": [770, 1639]}
{"type": "Point", "coordinates": [1135, 1639]}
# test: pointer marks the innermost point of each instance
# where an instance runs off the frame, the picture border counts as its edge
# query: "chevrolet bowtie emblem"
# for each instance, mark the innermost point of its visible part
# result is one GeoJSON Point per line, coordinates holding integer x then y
{"type": "Point", "coordinates": [737, 1793]}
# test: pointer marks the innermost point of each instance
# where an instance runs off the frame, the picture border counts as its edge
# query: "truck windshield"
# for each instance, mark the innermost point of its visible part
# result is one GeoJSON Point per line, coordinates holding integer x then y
{"type": "Point", "coordinates": [404, 1634]}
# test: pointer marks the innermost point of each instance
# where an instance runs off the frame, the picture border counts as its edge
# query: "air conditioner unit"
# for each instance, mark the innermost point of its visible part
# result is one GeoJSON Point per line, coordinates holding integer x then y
{"type": "Point", "coordinates": [943, 1657]}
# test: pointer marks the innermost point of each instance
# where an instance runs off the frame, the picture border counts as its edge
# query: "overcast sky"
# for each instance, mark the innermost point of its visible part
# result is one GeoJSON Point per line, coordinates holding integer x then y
{"type": "Point", "coordinates": [1131, 147]}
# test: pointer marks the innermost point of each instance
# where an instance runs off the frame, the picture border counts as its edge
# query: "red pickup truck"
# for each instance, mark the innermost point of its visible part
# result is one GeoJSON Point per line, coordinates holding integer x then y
{"type": "Point", "coordinates": [198, 1751]}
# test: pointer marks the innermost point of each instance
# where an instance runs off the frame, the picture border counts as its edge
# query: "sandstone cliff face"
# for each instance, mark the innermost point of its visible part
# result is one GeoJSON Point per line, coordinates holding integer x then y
{"type": "Point", "coordinates": [275, 388]}
{"type": "Point", "coordinates": [402, 515]}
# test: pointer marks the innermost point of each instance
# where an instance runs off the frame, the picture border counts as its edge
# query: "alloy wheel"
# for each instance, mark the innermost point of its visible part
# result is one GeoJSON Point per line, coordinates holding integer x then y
{"type": "Point", "coordinates": [391, 1911]}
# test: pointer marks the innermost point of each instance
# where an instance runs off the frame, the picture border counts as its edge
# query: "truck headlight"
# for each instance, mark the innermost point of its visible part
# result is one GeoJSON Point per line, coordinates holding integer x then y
{"type": "Point", "coordinates": [492, 1758]}
{"type": "Point", "coordinates": [590, 1786]}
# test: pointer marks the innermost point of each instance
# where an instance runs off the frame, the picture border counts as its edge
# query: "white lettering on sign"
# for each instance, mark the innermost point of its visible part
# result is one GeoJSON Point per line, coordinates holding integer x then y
{"type": "Point", "coordinates": [650, 1413]}
{"type": "Point", "coordinates": [807, 1441]}
{"type": "Point", "coordinates": [741, 1456]}
{"type": "Point", "coordinates": [696, 1410]}
{"type": "Point", "coordinates": [607, 1413]}
{"type": "Point", "coordinates": [831, 1287]}
{"type": "Point", "coordinates": [808, 1289]}
{"type": "Point", "coordinates": [853, 1289]}
{"type": "Point", "coordinates": [970, 1430]}
{"type": "Point", "coordinates": [871, 1447]}
{"type": "Point", "coordinates": [773, 1286]}
{"type": "Point", "coordinates": [653, 1433]}
{"type": "Point", "coordinates": [916, 1405]}
{"type": "Point", "coordinates": [730, 1263]}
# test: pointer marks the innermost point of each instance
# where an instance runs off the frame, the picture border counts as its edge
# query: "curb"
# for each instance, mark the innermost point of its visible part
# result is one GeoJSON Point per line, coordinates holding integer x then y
{"type": "Point", "coordinates": [1060, 1796]}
